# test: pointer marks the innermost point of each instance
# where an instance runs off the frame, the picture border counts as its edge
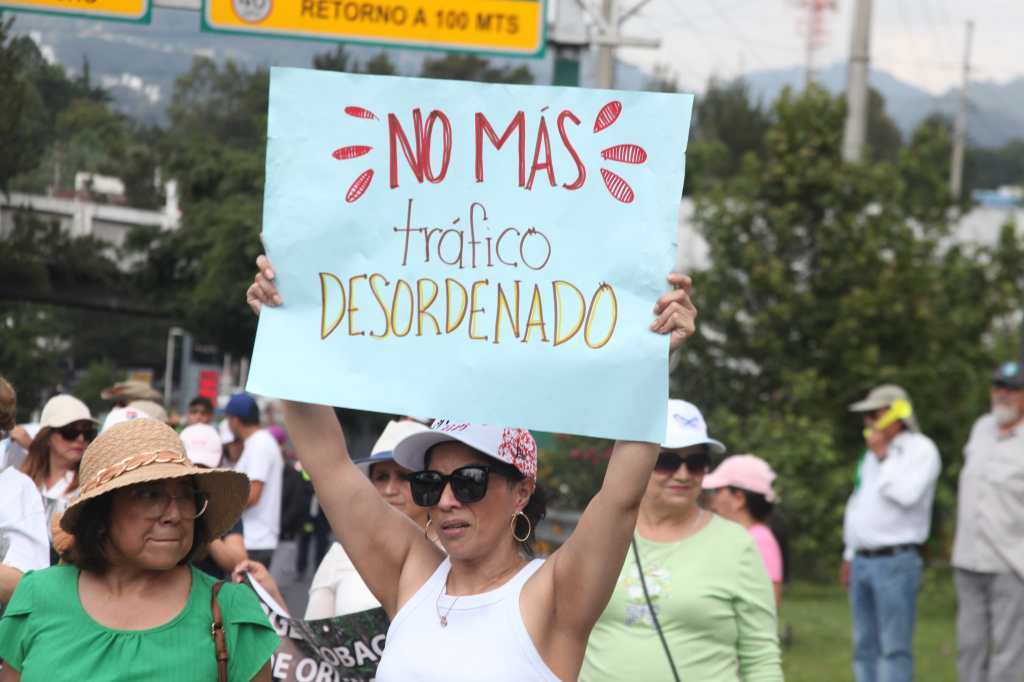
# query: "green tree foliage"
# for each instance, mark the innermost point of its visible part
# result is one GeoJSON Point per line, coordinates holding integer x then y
{"type": "Point", "coordinates": [884, 139]}
{"type": "Point", "coordinates": [826, 279]}
{"type": "Point", "coordinates": [215, 148]}
{"type": "Point", "coordinates": [467, 67]}
{"type": "Point", "coordinates": [992, 168]}
{"type": "Point", "coordinates": [340, 60]}
{"type": "Point", "coordinates": [22, 131]}
{"type": "Point", "coordinates": [728, 124]}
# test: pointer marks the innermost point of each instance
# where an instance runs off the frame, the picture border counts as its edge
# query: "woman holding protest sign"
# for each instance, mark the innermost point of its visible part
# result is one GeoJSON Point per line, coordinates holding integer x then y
{"type": "Point", "coordinates": [487, 609]}
{"type": "Point", "coordinates": [693, 600]}
{"type": "Point", "coordinates": [130, 606]}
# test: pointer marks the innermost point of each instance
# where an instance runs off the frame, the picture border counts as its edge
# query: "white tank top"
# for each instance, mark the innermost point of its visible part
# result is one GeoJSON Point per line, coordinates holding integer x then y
{"type": "Point", "coordinates": [485, 638]}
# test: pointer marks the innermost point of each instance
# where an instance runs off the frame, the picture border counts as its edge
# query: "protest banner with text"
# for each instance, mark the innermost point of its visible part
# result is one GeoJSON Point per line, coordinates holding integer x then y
{"type": "Point", "coordinates": [341, 649]}
{"type": "Point", "coordinates": [490, 253]}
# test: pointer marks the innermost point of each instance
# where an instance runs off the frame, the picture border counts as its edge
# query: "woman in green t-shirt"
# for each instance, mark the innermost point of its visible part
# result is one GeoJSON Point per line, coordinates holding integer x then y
{"type": "Point", "coordinates": [130, 605]}
{"type": "Point", "coordinates": [693, 600]}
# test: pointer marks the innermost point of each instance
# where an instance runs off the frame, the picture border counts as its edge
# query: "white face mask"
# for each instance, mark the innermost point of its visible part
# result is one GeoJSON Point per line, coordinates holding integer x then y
{"type": "Point", "coordinates": [1005, 414]}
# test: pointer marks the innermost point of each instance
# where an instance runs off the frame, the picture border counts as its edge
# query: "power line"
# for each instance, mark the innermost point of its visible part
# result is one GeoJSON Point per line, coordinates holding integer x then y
{"type": "Point", "coordinates": [724, 18]}
{"type": "Point", "coordinates": [913, 43]}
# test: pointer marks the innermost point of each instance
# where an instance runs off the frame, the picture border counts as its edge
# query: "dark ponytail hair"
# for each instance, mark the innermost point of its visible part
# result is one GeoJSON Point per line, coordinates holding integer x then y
{"type": "Point", "coordinates": [535, 510]}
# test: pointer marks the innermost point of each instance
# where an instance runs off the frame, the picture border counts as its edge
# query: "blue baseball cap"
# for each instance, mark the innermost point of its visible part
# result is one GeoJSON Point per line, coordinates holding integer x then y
{"type": "Point", "coordinates": [243, 406]}
{"type": "Point", "coordinates": [1009, 375]}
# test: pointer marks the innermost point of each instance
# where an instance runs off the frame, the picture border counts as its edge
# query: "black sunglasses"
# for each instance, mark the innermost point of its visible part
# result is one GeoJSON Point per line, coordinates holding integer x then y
{"type": "Point", "coordinates": [469, 484]}
{"type": "Point", "coordinates": [669, 462]}
{"type": "Point", "coordinates": [72, 432]}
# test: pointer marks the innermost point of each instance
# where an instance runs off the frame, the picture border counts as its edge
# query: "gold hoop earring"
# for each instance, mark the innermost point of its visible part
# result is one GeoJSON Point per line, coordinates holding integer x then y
{"type": "Point", "coordinates": [529, 526]}
{"type": "Point", "coordinates": [426, 528]}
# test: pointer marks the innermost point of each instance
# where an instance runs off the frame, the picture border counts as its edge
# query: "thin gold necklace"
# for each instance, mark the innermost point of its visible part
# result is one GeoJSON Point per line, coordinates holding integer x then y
{"type": "Point", "coordinates": [443, 617]}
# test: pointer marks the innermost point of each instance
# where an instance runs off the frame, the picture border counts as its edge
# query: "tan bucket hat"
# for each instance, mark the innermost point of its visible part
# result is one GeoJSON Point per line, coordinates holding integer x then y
{"type": "Point", "coordinates": [143, 450]}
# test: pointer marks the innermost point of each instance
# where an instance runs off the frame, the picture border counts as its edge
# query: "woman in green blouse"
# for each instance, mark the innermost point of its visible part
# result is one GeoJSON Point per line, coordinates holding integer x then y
{"type": "Point", "coordinates": [130, 606]}
{"type": "Point", "coordinates": [693, 600]}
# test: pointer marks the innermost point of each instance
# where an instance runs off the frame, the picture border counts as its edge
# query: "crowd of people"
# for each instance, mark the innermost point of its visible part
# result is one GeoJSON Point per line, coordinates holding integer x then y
{"type": "Point", "coordinates": [122, 543]}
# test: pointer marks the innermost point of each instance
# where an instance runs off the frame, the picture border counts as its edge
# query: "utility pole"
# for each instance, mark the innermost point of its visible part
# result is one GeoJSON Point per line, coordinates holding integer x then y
{"type": "Point", "coordinates": [857, 85]}
{"type": "Point", "coordinates": [956, 170]}
{"type": "Point", "coordinates": [606, 51]}
{"type": "Point", "coordinates": [569, 37]}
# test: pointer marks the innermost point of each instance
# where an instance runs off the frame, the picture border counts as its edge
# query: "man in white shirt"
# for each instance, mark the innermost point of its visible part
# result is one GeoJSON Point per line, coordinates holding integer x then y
{"type": "Point", "coordinates": [988, 553]}
{"type": "Point", "coordinates": [24, 545]}
{"type": "Point", "coordinates": [262, 462]}
{"type": "Point", "coordinates": [887, 518]}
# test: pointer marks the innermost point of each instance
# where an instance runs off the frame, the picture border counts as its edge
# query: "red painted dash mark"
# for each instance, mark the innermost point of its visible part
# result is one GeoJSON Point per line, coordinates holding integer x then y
{"type": "Point", "coordinates": [360, 112]}
{"type": "Point", "coordinates": [360, 186]}
{"type": "Point", "coordinates": [617, 187]}
{"type": "Point", "coordinates": [626, 153]}
{"type": "Point", "coordinates": [350, 152]}
{"type": "Point", "coordinates": [608, 115]}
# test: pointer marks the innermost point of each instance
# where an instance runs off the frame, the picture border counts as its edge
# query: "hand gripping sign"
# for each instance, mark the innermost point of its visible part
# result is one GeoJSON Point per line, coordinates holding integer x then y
{"type": "Point", "coordinates": [492, 252]}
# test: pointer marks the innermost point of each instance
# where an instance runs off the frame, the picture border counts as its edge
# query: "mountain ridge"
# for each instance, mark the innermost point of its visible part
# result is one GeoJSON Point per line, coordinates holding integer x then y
{"type": "Point", "coordinates": [139, 64]}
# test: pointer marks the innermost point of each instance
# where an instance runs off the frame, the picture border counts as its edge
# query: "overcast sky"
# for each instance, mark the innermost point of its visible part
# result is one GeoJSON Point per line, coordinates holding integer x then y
{"type": "Point", "coordinates": [920, 41]}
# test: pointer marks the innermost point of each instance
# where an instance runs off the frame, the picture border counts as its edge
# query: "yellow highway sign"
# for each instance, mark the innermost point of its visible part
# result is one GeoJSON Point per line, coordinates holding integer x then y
{"type": "Point", "coordinates": [512, 27]}
{"type": "Point", "coordinates": [118, 10]}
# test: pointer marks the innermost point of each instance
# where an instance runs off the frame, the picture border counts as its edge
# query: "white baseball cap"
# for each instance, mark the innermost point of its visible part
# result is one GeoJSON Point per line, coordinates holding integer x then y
{"type": "Point", "coordinates": [512, 446]}
{"type": "Point", "coordinates": [202, 445]}
{"type": "Point", "coordinates": [384, 449]}
{"type": "Point", "coordinates": [123, 414]}
{"type": "Point", "coordinates": [686, 427]}
{"type": "Point", "coordinates": [64, 409]}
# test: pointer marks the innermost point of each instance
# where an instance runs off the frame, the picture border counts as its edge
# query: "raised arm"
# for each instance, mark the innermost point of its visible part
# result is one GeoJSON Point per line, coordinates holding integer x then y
{"type": "Point", "coordinates": [387, 548]}
{"type": "Point", "coordinates": [585, 568]}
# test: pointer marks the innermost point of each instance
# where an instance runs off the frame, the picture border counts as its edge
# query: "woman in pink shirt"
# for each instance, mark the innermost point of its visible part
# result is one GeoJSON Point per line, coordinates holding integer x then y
{"type": "Point", "coordinates": [741, 491]}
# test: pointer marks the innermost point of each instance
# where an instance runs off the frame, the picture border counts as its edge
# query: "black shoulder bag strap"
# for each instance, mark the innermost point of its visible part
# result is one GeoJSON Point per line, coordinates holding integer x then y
{"type": "Point", "coordinates": [654, 616]}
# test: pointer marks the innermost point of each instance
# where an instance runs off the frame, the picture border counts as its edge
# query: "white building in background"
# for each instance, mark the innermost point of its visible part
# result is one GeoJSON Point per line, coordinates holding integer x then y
{"type": "Point", "coordinates": [981, 227]}
{"type": "Point", "coordinates": [81, 216]}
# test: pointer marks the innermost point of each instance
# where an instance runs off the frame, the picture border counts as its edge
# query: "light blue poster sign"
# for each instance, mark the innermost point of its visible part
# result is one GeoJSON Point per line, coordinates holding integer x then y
{"type": "Point", "coordinates": [490, 253]}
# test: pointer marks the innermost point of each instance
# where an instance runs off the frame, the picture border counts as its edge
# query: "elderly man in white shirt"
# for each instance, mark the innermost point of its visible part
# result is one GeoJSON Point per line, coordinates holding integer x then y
{"type": "Point", "coordinates": [887, 518]}
{"type": "Point", "coordinates": [988, 553]}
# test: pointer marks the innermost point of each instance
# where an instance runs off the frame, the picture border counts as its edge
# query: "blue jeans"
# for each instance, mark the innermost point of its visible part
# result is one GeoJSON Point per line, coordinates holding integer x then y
{"type": "Point", "coordinates": [883, 599]}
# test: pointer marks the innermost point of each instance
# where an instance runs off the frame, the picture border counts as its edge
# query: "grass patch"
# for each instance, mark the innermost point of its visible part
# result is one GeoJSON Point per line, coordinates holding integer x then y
{"type": "Point", "coordinates": [820, 650]}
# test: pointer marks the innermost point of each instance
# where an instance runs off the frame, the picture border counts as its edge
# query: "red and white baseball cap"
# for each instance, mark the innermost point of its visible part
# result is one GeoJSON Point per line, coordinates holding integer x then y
{"type": "Point", "coordinates": [686, 427]}
{"type": "Point", "coordinates": [512, 446]}
{"type": "Point", "coordinates": [202, 445]}
{"type": "Point", "coordinates": [747, 472]}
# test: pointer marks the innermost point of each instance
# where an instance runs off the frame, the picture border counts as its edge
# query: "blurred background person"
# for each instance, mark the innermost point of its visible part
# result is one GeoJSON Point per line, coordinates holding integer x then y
{"type": "Point", "coordinates": [988, 553]}
{"type": "Point", "coordinates": [125, 392]}
{"type": "Point", "coordinates": [66, 429]}
{"type": "Point", "coordinates": [887, 518]}
{"type": "Point", "coordinates": [262, 462]}
{"type": "Point", "coordinates": [23, 542]}
{"type": "Point", "coordinates": [337, 588]}
{"type": "Point", "coordinates": [741, 491]}
{"type": "Point", "coordinates": [693, 601]}
{"type": "Point", "coordinates": [129, 603]}
{"type": "Point", "coordinates": [200, 410]}
{"type": "Point", "coordinates": [203, 448]}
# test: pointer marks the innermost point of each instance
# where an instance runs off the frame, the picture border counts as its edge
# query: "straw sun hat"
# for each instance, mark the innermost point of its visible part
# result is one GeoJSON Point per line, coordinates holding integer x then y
{"type": "Point", "coordinates": [144, 450]}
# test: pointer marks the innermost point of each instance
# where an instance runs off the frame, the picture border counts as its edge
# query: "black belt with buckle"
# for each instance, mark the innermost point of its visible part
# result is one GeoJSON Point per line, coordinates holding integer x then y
{"type": "Point", "coordinates": [886, 551]}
